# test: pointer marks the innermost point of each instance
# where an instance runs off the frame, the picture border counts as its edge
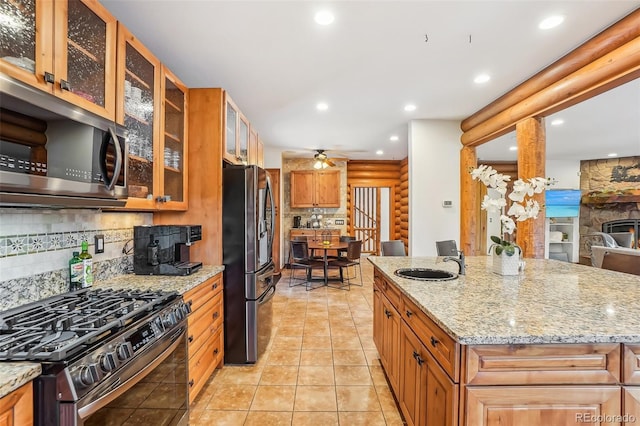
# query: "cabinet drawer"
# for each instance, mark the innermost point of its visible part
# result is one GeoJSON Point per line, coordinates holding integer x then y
{"type": "Point", "coordinates": [202, 364]}
{"type": "Point", "coordinates": [631, 367]}
{"type": "Point", "coordinates": [443, 348]}
{"type": "Point", "coordinates": [204, 323]}
{"type": "Point", "coordinates": [543, 364]}
{"type": "Point", "coordinates": [389, 290]}
{"type": "Point", "coordinates": [199, 295]}
{"type": "Point", "coordinates": [309, 233]}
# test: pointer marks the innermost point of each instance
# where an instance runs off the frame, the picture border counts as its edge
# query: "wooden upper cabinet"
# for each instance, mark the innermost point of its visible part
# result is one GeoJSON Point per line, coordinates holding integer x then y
{"type": "Point", "coordinates": [237, 134]}
{"type": "Point", "coordinates": [174, 152]}
{"type": "Point", "coordinates": [138, 108]}
{"type": "Point", "coordinates": [260, 153]}
{"type": "Point", "coordinates": [253, 146]}
{"type": "Point", "coordinates": [67, 48]}
{"type": "Point", "coordinates": [311, 188]}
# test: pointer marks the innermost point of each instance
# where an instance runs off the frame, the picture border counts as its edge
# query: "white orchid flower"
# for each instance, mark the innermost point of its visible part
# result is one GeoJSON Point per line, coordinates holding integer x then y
{"type": "Point", "coordinates": [508, 225]}
{"type": "Point", "coordinates": [493, 205]}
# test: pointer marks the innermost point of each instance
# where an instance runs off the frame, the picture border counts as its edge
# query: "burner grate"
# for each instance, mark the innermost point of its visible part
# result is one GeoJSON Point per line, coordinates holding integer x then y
{"type": "Point", "coordinates": [55, 328]}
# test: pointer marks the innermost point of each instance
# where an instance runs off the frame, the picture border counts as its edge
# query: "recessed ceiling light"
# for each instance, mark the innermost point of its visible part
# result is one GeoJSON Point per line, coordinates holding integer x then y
{"type": "Point", "coordinates": [322, 106]}
{"type": "Point", "coordinates": [379, 152]}
{"type": "Point", "coordinates": [557, 122]}
{"type": "Point", "coordinates": [393, 138]}
{"type": "Point", "coordinates": [513, 148]}
{"type": "Point", "coordinates": [409, 107]}
{"type": "Point", "coordinates": [324, 17]}
{"type": "Point", "coordinates": [612, 154]}
{"type": "Point", "coordinates": [550, 22]}
{"type": "Point", "coordinates": [482, 78]}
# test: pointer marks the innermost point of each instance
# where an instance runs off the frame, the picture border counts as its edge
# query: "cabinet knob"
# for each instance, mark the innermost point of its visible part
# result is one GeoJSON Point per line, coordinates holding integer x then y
{"type": "Point", "coordinates": [213, 287]}
{"type": "Point", "coordinates": [434, 341]}
{"type": "Point", "coordinates": [64, 85]}
{"type": "Point", "coordinates": [49, 78]}
{"type": "Point", "coordinates": [409, 313]}
{"type": "Point", "coordinates": [216, 314]}
{"type": "Point", "coordinates": [418, 358]}
{"type": "Point", "coordinates": [190, 338]}
{"type": "Point", "coordinates": [387, 313]}
{"type": "Point", "coordinates": [191, 383]}
{"type": "Point", "coordinates": [215, 351]}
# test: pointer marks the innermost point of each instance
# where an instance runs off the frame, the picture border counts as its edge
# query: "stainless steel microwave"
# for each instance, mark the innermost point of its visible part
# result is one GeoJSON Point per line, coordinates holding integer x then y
{"type": "Point", "coordinates": [55, 154]}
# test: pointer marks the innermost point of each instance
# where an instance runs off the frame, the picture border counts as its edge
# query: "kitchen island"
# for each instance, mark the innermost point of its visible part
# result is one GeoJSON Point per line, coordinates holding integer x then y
{"type": "Point", "coordinates": [559, 344]}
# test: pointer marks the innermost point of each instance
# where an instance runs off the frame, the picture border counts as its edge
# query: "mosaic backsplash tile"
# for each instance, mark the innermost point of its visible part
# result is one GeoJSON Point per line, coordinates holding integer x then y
{"type": "Point", "coordinates": [18, 245]}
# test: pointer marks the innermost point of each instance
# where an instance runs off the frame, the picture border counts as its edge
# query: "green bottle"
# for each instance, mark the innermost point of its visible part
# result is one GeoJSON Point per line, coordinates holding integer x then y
{"type": "Point", "coordinates": [76, 270]}
{"type": "Point", "coordinates": [87, 265]}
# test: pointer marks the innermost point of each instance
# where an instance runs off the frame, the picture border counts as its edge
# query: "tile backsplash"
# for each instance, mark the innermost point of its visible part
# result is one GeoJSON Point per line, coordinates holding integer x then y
{"type": "Point", "coordinates": [36, 245]}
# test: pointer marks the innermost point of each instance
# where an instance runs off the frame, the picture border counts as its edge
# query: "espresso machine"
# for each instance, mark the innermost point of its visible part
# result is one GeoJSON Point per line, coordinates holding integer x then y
{"type": "Point", "coordinates": [164, 249]}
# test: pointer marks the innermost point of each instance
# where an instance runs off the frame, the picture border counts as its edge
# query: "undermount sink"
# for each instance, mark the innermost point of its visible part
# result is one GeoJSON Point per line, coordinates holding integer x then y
{"type": "Point", "coordinates": [425, 274]}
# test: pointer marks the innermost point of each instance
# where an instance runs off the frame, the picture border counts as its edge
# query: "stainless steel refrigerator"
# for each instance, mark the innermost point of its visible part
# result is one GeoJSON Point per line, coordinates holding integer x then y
{"type": "Point", "coordinates": [247, 240]}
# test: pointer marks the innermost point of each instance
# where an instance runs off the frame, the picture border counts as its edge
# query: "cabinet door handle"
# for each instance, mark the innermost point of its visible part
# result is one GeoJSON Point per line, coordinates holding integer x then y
{"type": "Point", "coordinates": [434, 341]}
{"type": "Point", "coordinates": [215, 351]}
{"type": "Point", "coordinates": [191, 383]}
{"type": "Point", "coordinates": [191, 338]}
{"type": "Point", "coordinates": [387, 313]}
{"type": "Point", "coordinates": [214, 286]}
{"type": "Point", "coordinates": [418, 358]}
{"type": "Point", "coordinates": [64, 85]}
{"type": "Point", "coordinates": [409, 313]}
{"type": "Point", "coordinates": [216, 314]}
{"type": "Point", "coordinates": [49, 78]}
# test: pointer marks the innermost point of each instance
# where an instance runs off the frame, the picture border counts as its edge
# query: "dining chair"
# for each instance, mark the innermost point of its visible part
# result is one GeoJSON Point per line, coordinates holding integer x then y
{"type": "Point", "coordinates": [343, 239]}
{"type": "Point", "coordinates": [447, 248]}
{"type": "Point", "coordinates": [300, 260]}
{"type": "Point", "coordinates": [392, 248]}
{"type": "Point", "coordinates": [621, 262]}
{"type": "Point", "coordinates": [352, 258]}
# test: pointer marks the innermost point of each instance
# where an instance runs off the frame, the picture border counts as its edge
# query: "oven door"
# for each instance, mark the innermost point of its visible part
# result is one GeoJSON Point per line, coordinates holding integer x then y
{"type": "Point", "coordinates": [151, 390]}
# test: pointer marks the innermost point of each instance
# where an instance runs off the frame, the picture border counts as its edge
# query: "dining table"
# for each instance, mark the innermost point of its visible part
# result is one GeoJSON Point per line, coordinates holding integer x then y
{"type": "Point", "coordinates": [314, 245]}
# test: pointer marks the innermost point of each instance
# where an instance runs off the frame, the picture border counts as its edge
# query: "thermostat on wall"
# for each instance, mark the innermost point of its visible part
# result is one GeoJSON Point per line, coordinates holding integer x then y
{"type": "Point", "coordinates": [447, 203]}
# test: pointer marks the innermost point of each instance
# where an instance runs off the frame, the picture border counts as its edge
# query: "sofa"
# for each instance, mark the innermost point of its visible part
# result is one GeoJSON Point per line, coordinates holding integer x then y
{"type": "Point", "coordinates": [596, 244]}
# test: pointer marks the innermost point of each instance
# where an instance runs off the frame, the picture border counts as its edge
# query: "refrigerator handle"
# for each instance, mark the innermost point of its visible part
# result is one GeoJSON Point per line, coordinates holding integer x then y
{"type": "Point", "coordinates": [273, 216]}
{"type": "Point", "coordinates": [268, 295]}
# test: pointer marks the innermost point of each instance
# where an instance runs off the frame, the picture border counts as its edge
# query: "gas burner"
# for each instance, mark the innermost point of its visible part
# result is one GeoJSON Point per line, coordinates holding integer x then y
{"type": "Point", "coordinates": [57, 340]}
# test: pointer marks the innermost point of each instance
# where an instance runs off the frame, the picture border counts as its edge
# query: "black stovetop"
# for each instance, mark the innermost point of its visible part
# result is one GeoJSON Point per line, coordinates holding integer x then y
{"type": "Point", "coordinates": [56, 328]}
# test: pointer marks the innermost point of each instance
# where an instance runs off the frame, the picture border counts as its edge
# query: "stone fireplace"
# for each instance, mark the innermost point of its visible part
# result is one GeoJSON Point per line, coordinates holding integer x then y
{"type": "Point", "coordinates": [611, 197]}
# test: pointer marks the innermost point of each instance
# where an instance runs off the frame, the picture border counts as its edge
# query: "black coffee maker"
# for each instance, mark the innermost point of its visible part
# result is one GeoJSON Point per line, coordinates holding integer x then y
{"type": "Point", "coordinates": [164, 249]}
{"type": "Point", "coordinates": [297, 220]}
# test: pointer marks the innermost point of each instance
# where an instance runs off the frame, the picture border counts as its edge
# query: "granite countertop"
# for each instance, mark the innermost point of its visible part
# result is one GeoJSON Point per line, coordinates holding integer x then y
{"type": "Point", "coordinates": [551, 302]}
{"type": "Point", "coordinates": [15, 374]}
{"type": "Point", "coordinates": [181, 284]}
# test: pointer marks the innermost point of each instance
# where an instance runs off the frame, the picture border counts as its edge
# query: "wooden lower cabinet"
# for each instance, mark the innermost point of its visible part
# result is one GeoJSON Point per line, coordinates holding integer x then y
{"type": "Point", "coordinates": [386, 335]}
{"type": "Point", "coordinates": [427, 395]}
{"type": "Point", "coordinates": [543, 405]}
{"type": "Point", "coordinates": [16, 408]}
{"type": "Point", "coordinates": [205, 345]}
{"type": "Point", "coordinates": [631, 405]}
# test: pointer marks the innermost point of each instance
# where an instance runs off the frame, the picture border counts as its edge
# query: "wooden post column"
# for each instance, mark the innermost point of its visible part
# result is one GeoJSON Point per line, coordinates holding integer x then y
{"type": "Point", "coordinates": [530, 134]}
{"type": "Point", "coordinates": [469, 205]}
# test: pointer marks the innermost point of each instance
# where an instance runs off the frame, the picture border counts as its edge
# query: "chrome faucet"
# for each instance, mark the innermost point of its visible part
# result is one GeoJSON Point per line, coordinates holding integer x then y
{"type": "Point", "coordinates": [459, 261]}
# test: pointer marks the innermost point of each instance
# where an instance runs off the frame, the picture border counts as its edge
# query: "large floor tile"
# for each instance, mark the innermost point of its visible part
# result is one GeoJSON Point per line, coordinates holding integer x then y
{"type": "Point", "coordinates": [315, 375]}
{"type": "Point", "coordinates": [353, 375]}
{"type": "Point", "coordinates": [279, 375]}
{"type": "Point", "coordinates": [266, 418]}
{"type": "Point", "coordinates": [232, 397]}
{"type": "Point", "coordinates": [274, 398]}
{"type": "Point", "coordinates": [314, 418]}
{"type": "Point", "coordinates": [357, 398]}
{"type": "Point", "coordinates": [315, 398]}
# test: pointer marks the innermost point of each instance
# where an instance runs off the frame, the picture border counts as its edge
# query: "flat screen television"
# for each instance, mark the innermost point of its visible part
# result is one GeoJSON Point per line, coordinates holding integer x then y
{"type": "Point", "coordinates": [562, 202]}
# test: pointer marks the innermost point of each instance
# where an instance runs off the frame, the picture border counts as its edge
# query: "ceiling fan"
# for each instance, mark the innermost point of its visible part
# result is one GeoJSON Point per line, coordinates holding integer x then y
{"type": "Point", "coordinates": [321, 160]}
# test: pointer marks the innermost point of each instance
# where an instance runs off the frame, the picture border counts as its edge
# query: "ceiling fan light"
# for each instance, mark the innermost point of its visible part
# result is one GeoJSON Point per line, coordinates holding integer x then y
{"type": "Point", "coordinates": [317, 164]}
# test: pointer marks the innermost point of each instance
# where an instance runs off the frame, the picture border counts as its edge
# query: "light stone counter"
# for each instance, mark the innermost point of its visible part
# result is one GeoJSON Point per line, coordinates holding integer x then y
{"type": "Point", "coordinates": [181, 284]}
{"type": "Point", "coordinates": [15, 374]}
{"type": "Point", "coordinates": [551, 302]}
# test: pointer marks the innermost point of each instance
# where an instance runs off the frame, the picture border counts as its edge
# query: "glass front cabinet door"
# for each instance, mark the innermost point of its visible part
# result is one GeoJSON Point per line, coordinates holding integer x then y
{"type": "Point", "coordinates": [138, 108]}
{"type": "Point", "coordinates": [67, 47]}
{"type": "Point", "coordinates": [175, 158]}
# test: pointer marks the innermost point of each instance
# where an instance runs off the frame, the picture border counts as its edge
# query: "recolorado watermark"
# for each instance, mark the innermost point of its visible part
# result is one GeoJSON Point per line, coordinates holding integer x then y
{"type": "Point", "coordinates": [605, 418]}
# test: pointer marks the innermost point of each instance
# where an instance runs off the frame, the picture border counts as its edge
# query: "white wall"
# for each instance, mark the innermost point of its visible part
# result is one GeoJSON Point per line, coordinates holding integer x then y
{"type": "Point", "coordinates": [565, 172]}
{"type": "Point", "coordinates": [434, 163]}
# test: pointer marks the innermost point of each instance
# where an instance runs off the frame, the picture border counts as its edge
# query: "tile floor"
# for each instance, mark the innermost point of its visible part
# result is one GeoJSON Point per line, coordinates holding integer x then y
{"type": "Point", "coordinates": [321, 367]}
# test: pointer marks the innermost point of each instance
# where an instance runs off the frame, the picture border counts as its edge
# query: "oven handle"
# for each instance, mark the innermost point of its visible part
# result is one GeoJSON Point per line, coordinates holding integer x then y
{"type": "Point", "coordinates": [94, 406]}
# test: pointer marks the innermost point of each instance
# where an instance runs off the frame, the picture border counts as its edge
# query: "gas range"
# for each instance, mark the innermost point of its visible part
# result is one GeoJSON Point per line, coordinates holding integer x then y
{"type": "Point", "coordinates": [91, 342]}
